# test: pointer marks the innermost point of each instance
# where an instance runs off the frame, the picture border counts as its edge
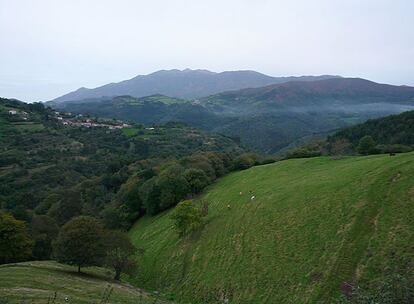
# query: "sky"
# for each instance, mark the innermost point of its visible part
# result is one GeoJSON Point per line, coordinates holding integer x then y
{"type": "Point", "coordinates": [51, 47]}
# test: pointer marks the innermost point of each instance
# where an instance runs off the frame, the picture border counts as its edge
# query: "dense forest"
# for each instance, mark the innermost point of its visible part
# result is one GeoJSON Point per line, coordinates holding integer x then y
{"type": "Point", "coordinates": [390, 134]}
{"type": "Point", "coordinates": [57, 166]}
{"type": "Point", "coordinates": [390, 130]}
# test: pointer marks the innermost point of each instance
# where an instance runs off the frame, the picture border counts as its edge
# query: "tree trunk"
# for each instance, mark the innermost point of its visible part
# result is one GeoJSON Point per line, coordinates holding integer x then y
{"type": "Point", "coordinates": [79, 268]}
{"type": "Point", "coordinates": [117, 275]}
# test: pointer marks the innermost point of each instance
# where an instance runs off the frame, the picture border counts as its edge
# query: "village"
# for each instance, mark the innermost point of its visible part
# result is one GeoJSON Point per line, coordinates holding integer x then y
{"type": "Point", "coordinates": [69, 119]}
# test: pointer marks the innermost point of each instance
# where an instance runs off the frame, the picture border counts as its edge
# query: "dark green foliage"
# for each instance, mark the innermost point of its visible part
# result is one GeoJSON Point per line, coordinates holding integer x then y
{"type": "Point", "coordinates": [366, 145]}
{"type": "Point", "coordinates": [303, 153]}
{"type": "Point", "coordinates": [173, 185]}
{"type": "Point", "coordinates": [15, 242]}
{"type": "Point", "coordinates": [187, 217]}
{"type": "Point", "coordinates": [43, 230]}
{"type": "Point", "coordinates": [119, 253]}
{"type": "Point", "coordinates": [197, 180]}
{"type": "Point", "coordinates": [67, 171]}
{"type": "Point", "coordinates": [69, 206]}
{"type": "Point", "coordinates": [81, 242]}
{"type": "Point", "coordinates": [150, 193]}
{"type": "Point", "coordinates": [245, 161]}
{"type": "Point", "coordinates": [393, 133]}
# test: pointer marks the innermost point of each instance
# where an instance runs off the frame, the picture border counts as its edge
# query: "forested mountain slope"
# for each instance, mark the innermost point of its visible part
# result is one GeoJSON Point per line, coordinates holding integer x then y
{"type": "Point", "coordinates": [268, 118]}
{"type": "Point", "coordinates": [62, 165]}
{"type": "Point", "coordinates": [390, 130]}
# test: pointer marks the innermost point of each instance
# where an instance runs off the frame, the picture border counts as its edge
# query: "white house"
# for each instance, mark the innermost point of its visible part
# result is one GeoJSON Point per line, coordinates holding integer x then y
{"type": "Point", "coordinates": [12, 112]}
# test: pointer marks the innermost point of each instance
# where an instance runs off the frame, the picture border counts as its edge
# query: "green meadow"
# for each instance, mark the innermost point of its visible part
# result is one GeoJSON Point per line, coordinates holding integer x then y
{"type": "Point", "coordinates": [50, 282]}
{"type": "Point", "coordinates": [315, 225]}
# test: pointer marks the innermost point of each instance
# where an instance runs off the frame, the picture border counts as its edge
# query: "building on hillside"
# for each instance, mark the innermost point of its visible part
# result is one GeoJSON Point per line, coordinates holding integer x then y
{"type": "Point", "coordinates": [12, 112]}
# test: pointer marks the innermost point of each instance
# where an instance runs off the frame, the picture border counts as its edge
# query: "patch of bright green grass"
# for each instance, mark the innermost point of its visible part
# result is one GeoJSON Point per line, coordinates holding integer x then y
{"type": "Point", "coordinates": [314, 225]}
{"type": "Point", "coordinates": [130, 131]}
{"type": "Point", "coordinates": [31, 127]}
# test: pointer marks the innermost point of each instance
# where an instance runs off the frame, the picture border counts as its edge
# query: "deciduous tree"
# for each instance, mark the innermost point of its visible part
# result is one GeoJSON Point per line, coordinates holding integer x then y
{"type": "Point", "coordinates": [15, 242]}
{"type": "Point", "coordinates": [81, 242]}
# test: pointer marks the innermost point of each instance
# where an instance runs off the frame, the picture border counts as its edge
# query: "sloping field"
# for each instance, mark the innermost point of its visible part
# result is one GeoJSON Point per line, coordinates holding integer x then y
{"type": "Point", "coordinates": [315, 226]}
{"type": "Point", "coordinates": [50, 282]}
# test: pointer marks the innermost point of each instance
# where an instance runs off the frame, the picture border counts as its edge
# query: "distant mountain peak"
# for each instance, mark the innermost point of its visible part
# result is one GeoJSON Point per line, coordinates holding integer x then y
{"type": "Point", "coordinates": [186, 83]}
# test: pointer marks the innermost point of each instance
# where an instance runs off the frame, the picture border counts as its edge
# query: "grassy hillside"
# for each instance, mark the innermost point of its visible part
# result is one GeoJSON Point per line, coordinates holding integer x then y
{"type": "Point", "coordinates": [36, 282]}
{"type": "Point", "coordinates": [316, 226]}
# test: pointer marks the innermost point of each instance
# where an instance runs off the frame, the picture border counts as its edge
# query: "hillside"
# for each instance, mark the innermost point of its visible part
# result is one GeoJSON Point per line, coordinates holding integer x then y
{"type": "Point", "coordinates": [37, 282]}
{"type": "Point", "coordinates": [268, 118]}
{"type": "Point", "coordinates": [390, 130]}
{"type": "Point", "coordinates": [63, 165]}
{"type": "Point", "coordinates": [317, 227]}
{"type": "Point", "coordinates": [186, 84]}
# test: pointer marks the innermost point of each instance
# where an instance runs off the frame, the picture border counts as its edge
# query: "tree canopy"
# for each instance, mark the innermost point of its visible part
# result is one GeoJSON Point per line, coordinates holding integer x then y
{"type": "Point", "coordinates": [81, 242]}
{"type": "Point", "coordinates": [15, 242]}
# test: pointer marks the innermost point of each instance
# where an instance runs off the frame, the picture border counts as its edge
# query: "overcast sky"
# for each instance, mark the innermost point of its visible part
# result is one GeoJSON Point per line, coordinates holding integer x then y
{"type": "Point", "coordinates": [51, 47]}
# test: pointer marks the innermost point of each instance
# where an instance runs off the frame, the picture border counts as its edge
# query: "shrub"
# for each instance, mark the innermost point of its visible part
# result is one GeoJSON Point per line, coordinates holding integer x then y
{"type": "Point", "coordinates": [366, 145]}
{"type": "Point", "coordinates": [187, 217]}
{"type": "Point", "coordinates": [303, 153]}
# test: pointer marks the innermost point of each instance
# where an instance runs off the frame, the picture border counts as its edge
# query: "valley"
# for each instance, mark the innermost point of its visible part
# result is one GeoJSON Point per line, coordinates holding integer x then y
{"type": "Point", "coordinates": [268, 119]}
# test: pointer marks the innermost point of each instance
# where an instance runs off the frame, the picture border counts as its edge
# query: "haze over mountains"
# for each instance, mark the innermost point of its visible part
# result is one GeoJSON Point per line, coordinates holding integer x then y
{"type": "Point", "coordinates": [268, 118]}
{"type": "Point", "coordinates": [187, 84]}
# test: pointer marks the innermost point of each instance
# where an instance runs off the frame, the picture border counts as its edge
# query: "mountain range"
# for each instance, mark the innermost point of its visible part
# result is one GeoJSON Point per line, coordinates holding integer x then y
{"type": "Point", "coordinates": [187, 84]}
{"type": "Point", "coordinates": [270, 118]}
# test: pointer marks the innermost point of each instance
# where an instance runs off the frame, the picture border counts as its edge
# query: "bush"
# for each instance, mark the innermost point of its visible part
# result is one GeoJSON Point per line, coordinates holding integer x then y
{"type": "Point", "coordinates": [245, 161]}
{"type": "Point", "coordinates": [187, 217]}
{"type": "Point", "coordinates": [366, 145]}
{"type": "Point", "coordinates": [303, 153]}
{"type": "Point", "coordinates": [395, 148]}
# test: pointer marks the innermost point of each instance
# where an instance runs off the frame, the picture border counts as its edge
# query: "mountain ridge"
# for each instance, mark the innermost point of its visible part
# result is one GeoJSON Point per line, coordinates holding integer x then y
{"type": "Point", "coordinates": [187, 84]}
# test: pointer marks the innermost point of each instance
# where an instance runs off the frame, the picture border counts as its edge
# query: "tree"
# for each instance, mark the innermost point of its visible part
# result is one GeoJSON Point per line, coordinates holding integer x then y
{"type": "Point", "coordinates": [115, 216]}
{"type": "Point", "coordinates": [187, 217]}
{"type": "Point", "coordinates": [81, 242]}
{"type": "Point", "coordinates": [68, 207]}
{"type": "Point", "coordinates": [340, 147]}
{"type": "Point", "coordinates": [44, 230]}
{"type": "Point", "coordinates": [245, 161]}
{"type": "Point", "coordinates": [366, 145]}
{"type": "Point", "coordinates": [15, 243]}
{"type": "Point", "coordinates": [150, 193]}
{"type": "Point", "coordinates": [120, 252]}
{"type": "Point", "coordinates": [197, 180]}
{"type": "Point", "coordinates": [173, 186]}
